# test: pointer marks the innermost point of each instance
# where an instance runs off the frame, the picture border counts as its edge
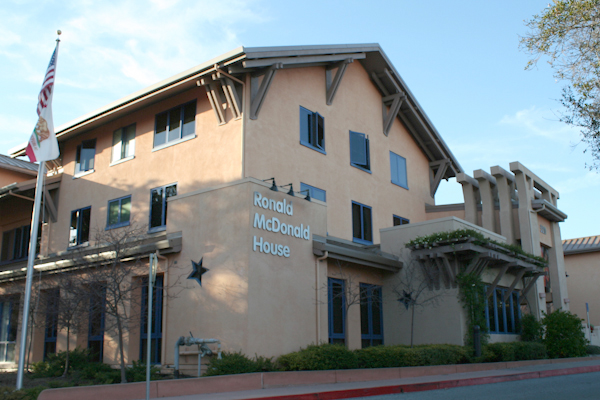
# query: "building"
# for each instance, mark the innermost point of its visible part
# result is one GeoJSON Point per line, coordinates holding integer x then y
{"type": "Point", "coordinates": [320, 258]}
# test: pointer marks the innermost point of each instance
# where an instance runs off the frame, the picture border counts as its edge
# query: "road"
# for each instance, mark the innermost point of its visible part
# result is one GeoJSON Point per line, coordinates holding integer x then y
{"type": "Point", "coordinates": [566, 387]}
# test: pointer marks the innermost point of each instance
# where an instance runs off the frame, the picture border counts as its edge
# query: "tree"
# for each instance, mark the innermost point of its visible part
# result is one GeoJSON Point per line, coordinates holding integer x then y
{"type": "Point", "coordinates": [568, 33]}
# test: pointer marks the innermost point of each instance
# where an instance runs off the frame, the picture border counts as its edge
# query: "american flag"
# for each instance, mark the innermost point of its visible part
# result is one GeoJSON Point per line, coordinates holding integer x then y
{"type": "Point", "coordinates": [47, 85]}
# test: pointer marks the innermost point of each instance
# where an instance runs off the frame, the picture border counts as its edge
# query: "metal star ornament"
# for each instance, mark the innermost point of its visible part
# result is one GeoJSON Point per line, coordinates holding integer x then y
{"type": "Point", "coordinates": [197, 271]}
{"type": "Point", "coordinates": [406, 299]}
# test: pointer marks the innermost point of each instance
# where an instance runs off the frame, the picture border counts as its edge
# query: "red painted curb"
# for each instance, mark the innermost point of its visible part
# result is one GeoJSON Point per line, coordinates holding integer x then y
{"type": "Point", "coordinates": [420, 387]}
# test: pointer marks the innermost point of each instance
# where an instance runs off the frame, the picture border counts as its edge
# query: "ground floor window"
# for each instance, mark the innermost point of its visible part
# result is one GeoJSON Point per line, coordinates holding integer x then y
{"type": "Point", "coordinates": [9, 318]}
{"type": "Point", "coordinates": [503, 315]}
{"type": "Point", "coordinates": [51, 330]}
{"type": "Point", "coordinates": [96, 324]}
{"type": "Point", "coordinates": [337, 310]}
{"type": "Point", "coordinates": [156, 323]}
{"type": "Point", "coordinates": [371, 321]}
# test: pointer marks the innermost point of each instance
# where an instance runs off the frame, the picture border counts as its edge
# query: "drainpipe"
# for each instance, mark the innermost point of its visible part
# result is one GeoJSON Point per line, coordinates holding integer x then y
{"type": "Point", "coordinates": [203, 350]}
{"type": "Point", "coordinates": [318, 290]}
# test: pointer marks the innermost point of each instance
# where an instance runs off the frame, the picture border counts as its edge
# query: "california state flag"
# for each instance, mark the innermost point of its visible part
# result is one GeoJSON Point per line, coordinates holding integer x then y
{"type": "Point", "coordinates": [43, 145]}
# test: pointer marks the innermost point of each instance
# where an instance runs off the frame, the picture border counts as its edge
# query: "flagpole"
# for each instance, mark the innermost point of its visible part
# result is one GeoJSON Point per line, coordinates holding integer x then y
{"type": "Point", "coordinates": [32, 248]}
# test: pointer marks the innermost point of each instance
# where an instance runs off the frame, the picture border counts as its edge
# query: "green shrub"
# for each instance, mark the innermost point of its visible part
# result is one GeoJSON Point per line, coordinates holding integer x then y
{"type": "Point", "coordinates": [9, 393]}
{"type": "Point", "coordinates": [238, 363]}
{"type": "Point", "coordinates": [563, 335]}
{"type": "Point", "coordinates": [137, 372]}
{"type": "Point", "coordinates": [515, 351]}
{"type": "Point", "coordinates": [54, 365]}
{"type": "Point", "coordinates": [322, 357]}
{"type": "Point", "coordinates": [440, 354]}
{"type": "Point", "coordinates": [382, 356]}
{"type": "Point", "coordinates": [592, 350]}
{"type": "Point", "coordinates": [531, 329]}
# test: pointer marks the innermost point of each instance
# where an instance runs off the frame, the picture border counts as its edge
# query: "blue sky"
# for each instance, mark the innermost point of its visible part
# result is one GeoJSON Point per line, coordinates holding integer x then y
{"type": "Point", "coordinates": [460, 59]}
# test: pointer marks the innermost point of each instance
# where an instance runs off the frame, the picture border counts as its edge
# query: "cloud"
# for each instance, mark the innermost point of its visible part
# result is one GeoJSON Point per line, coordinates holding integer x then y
{"type": "Point", "coordinates": [581, 184]}
{"type": "Point", "coordinates": [541, 123]}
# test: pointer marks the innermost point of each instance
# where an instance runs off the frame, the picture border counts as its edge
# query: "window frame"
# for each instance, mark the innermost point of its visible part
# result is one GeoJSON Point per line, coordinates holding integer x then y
{"type": "Point", "coordinates": [79, 241]}
{"type": "Point", "coordinates": [163, 226]}
{"type": "Point", "coordinates": [123, 138]}
{"type": "Point", "coordinates": [12, 249]}
{"type": "Point", "coordinates": [402, 220]}
{"type": "Point", "coordinates": [97, 310]}
{"type": "Point", "coordinates": [119, 224]}
{"type": "Point", "coordinates": [157, 311]}
{"type": "Point", "coordinates": [336, 337]}
{"type": "Point", "coordinates": [91, 168]}
{"type": "Point", "coordinates": [511, 323]}
{"type": "Point", "coordinates": [401, 170]}
{"type": "Point", "coordinates": [51, 326]}
{"type": "Point", "coordinates": [362, 239]}
{"type": "Point", "coordinates": [312, 130]}
{"type": "Point", "coordinates": [312, 190]}
{"type": "Point", "coordinates": [181, 138]}
{"type": "Point", "coordinates": [356, 137]}
{"type": "Point", "coordinates": [373, 338]}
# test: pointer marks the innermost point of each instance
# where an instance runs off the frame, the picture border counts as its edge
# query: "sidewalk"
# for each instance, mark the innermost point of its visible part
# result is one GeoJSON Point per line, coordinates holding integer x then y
{"type": "Point", "coordinates": [329, 385]}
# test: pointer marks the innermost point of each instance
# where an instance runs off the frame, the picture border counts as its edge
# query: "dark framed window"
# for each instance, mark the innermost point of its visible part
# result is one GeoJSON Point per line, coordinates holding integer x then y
{"type": "Point", "coordinates": [371, 315]}
{"type": "Point", "coordinates": [398, 170]}
{"type": "Point", "coordinates": [9, 319]}
{"type": "Point", "coordinates": [359, 151]}
{"type": "Point", "coordinates": [79, 231]}
{"type": "Point", "coordinates": [314, 192]}
{"type": "Point", "coordinates": [158, 205]}
{"type": "Point", "coordinates": [362, 230]}
{"type": "Point", "coordinates": [119, 212]}
{"type": "Point", "coordinates": [175, 124]}
{"type": "Point", "coordinates": [123, 144]}
{"type": "Point", "coordinates": [96, 323]}
{"type": "Point", "coordinates": [400, 220]}
{"type": "Point", "coordinates": [15, 244]}
{"type": "Point", "coordinates": [503, 316]}
{"type": "Point", "coordinates": [84, 158]}
{"type": "Point", "coordinates": [312, 130]}
{"type": "Point", "coordinates": [156, 323]}
{"type": "Point", "coordinates": [51, 330]}
{"type": "Point", "coordinates": [336, 302]}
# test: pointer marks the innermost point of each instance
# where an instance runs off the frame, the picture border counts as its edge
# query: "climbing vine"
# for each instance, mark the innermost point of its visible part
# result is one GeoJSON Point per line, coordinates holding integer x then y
{"type": "Point", "coordinates": [472, 296]}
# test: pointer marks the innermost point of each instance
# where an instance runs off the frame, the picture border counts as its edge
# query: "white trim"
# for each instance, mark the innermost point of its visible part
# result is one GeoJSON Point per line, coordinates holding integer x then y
{"type": "Point", "coordinates": [79, 175]}
{"type": "Point", "coordinates": [122, 160]}
{"type": "Point", "coordinates": [174, 142]}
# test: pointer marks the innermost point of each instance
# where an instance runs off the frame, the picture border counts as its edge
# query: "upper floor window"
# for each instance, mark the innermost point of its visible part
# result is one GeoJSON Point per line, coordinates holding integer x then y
{"type": "Point", "coordinates": [175, 124]}
{"type": "Point", "coordinates": [314, 192]}
{"type": "Point", "coordinates": [398, 170]}
{"type": "Point", "coordinates": [158, 206]}
{"type": "Point", "coordinates": [359, 151]}
{"type": "Point", "coordinates": [15, 244]}
{"type": "Point", "coordinates": [119, 211]}
{"type": "Point", "coordinates": [400, 221]}
{"type": "Point", "coordinates": [79, 231]}
{"type": "Point", "coordinates": [312, 130]}
{"type": "Point", "coordinates": [361, 223]}
{"type": "Point", "coordinates": [123, 144]}
{"type": "Point", "coordinates": [84, 159]}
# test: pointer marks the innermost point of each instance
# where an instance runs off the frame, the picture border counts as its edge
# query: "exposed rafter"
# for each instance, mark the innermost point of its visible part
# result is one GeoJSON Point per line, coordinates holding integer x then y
{"type": "Point", "coordinates": [233, 100]}
{"type": "Point", "coordinates": [49, 205]}
{"type": "Point", "coordinates": [437, 170]}
{"type": "Point", "coordinates": [518, 277]}
{"type": "Point", "coordinates": [258, 94]}
{"type": "Point", "coordinates": [333, 84]}
{"type": "Point", "coordinates": [213, 98]}
{"type": "Point", "coordinates": [492, 287]}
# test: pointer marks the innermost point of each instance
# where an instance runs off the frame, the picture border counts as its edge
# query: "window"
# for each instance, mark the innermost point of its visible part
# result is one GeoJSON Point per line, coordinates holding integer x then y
{"type": "Point", "coordinates": [84, 159]}
{"type": "Point", "coordinates": [79, 232]}
{"type": "Point", "coordinates": [315, 193]}
{"type": "Point", "coordinates": [359, 151]}
{"type": "Point", "coordinates": [398, 170]}
{"type": "Point", "coordinates": [400, 221]}
{"type": "Point", "coordinates": [158, 205]}
{"type": "Point", "coordinates": [156, 333]}
{"type": "Point", "coordinates": [503, 316]}
{"type": "Point", "coordinates": [312, 130]}
{"type": "Point", "coordinates": [361, 223]}
{"type": "Point", "coordinates": [123, 145]}
{"type": "Point", "coordinates": [96, 323]}
{"type": "Point", "coordinates": [336, 297]}
{"type": "Point", "coordinates": [119, 211]}
{"type": "Point", "coordinates": [9, 318]}
{"type": "Point", "coordinates": [51, 331]}
{"type": "Point", "coordinates": [15, 244]}
{"type": "Point", "coordinates": [175, 124]}
{"type": "Point", "coordinates": [371, 316]}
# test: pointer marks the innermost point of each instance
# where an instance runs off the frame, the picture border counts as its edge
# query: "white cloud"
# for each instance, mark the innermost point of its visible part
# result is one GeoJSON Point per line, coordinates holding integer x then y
{"type": "Point", "coordinates": [583, 183]}
{"type": "Point", "coordinates": [542, 123]}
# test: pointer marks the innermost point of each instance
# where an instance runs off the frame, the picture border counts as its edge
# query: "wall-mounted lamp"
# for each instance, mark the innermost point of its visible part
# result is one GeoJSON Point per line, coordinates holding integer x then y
{"type": "Point", "coordinates": [307, 194]}
{"type": "Point", "coordinates": [291, 191]}
{"type": "Point", "coordinates": [273, 186]}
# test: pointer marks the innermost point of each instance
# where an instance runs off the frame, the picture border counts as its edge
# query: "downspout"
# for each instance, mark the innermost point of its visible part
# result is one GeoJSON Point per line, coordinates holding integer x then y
{"type": "Point", "coordinates": [318, 291]}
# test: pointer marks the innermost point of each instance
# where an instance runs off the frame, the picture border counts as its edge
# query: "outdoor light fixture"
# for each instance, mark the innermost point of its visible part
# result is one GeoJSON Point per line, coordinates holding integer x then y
{"type": "Point", "coordinates": [291, 191]}
{"type": "Point", "coordinates": [273, 186]}
{"type": "Point", "coordinates": [307, 194]}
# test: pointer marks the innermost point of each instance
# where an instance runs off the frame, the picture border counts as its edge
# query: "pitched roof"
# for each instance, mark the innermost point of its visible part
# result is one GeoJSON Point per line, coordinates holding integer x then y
{"type": "Point", "coordinates": [581, 245]}
{"type": "Point", "coordinates": [18, 165]}
{"type": "Point", "coordinates": [251, 59]}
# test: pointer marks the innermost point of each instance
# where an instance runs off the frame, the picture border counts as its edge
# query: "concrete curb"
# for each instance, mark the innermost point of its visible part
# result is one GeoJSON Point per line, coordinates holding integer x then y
{"type": "Point", "coordinates": [421, 387]}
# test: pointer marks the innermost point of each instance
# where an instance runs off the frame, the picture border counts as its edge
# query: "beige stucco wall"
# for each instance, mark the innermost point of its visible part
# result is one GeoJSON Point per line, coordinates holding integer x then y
{"type": "Point", "coordinates": [583, 272]}
{"type": "Point", "coordinates": [273, 148]}
{"type": "Point", "coordinates": [8, 176]}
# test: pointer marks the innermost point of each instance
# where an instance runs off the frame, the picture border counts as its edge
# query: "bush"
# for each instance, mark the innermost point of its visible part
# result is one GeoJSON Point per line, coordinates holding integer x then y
{"type": "Point", "coordinates": [322, 357]}
{"type": "Point", "coordinates": [563, 335]}
{"type": "Point", "coordinates": [515, 351]}
{"type": "Point", "coordinates": [531, 329]}
{"type": "Point", "coordinates": [54, 365]}
{"type": "Point", "coordinates": [137, 372]}
{"type": "Point", "coordinates": [9, 393]}
{"type": "Point", "coordinates": [238, 363]}
{"type": "Point", "coordinates": [592, 350]}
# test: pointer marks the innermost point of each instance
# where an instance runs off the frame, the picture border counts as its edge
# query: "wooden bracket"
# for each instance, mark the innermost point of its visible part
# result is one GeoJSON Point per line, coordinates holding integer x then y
{"type": "Point", "coordinates": [333, 84]}
{"type": "Point", "coordinates": [258, 93]}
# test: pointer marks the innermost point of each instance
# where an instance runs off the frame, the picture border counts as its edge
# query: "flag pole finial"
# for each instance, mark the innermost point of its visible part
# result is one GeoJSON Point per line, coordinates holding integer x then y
{"type": "Point", "coordinates": [58, 32]}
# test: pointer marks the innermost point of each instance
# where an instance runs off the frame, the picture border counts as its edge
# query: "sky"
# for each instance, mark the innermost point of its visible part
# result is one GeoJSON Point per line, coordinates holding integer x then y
{"type": "Point", "coordinates": [460, 59]}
